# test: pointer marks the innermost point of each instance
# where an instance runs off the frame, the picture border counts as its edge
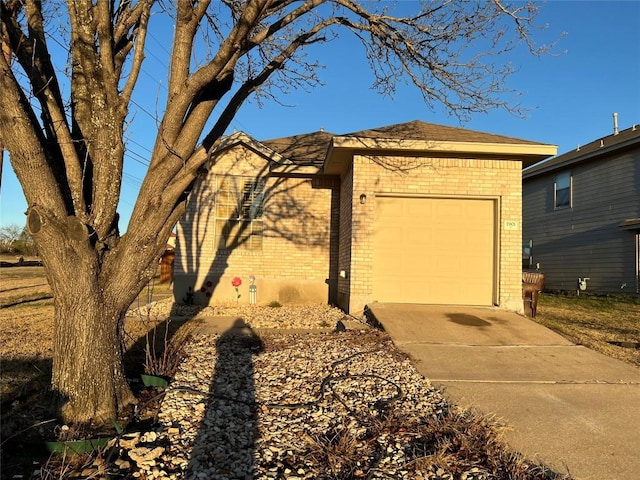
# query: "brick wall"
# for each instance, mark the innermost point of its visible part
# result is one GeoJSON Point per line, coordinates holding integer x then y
{"type": "Point", "coordinates": [345, 233]}
{"type": "Point", "coordinates": [481, 178]}
{"type": "Point", "coordinates": [315, 229]}
{"type": "Point", "coordinates": [293, 264]}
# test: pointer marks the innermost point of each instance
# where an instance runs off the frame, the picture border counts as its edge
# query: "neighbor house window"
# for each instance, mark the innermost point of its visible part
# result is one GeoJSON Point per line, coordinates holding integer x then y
{"type": "Point", "coordinates": [563, 190]}
{"type": "Point", "coordinates": [527, 257]}
{"type": "Point", "coordinates": [239, 206]}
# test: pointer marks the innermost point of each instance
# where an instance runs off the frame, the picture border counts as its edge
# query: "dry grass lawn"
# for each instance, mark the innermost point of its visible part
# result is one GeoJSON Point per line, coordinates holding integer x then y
{"type": "Point", "coordinates": [26, 330]}
{"type": "Point", "coordinates": [607, 324]}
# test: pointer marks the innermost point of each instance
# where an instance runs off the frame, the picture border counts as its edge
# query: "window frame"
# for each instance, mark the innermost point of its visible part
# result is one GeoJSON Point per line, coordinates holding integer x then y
{"type": "Point", "coordinates": [239, 204]}
{"type": "Point", "coordinates": [568, 203]}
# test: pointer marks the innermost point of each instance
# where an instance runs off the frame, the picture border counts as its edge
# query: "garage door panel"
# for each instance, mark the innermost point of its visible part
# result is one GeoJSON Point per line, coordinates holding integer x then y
{"type": "Point", "coordinates": [434, 250]}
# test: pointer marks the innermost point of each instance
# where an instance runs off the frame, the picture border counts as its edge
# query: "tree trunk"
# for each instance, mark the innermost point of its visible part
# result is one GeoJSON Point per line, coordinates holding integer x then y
{"type": "Point", "coordinates": [87, 363]}
{"type": "Point", "coordinates": [89, 319]}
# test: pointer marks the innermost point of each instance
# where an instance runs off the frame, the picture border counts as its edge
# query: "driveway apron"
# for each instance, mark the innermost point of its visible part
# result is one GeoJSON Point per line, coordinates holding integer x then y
{"type": "Point", "coordinates": [566, 406]}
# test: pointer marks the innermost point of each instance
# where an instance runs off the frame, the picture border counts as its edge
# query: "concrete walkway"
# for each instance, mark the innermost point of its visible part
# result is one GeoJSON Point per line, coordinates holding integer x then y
{"type": "Point", "coordinates": [569, 407]}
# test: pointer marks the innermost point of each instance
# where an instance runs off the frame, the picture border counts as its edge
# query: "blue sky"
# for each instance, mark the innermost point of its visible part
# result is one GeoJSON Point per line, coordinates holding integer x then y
{"type": "Point", "coordinates": [570, 96]}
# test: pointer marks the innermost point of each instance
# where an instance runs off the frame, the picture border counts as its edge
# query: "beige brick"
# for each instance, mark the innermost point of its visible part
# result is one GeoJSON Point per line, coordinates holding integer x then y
{"type": "Point", "coordinates": [302, 250]}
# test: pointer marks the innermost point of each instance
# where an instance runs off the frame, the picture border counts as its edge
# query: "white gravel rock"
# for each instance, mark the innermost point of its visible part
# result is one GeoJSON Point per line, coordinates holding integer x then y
{"type": "Point", "coordinates": [278, 405]}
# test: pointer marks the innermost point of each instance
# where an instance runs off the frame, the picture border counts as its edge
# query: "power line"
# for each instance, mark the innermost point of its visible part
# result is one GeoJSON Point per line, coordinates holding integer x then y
{"type": "Point", "coordinates": [159, 42]}
{"type": "Point", "coordinates": [142, 160]}
{"type": "Point", "coordinates": [139, 145]}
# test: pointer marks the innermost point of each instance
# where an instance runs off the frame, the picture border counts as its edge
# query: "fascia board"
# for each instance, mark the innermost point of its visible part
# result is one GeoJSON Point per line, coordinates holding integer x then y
{"type": "Point", "coordinates": [240, 138]}
{"type": "Point", "coordinates": [528, 151]}
{"type": "Point", "coordinates": [581, 158]}
{"type": "Point", "coordinates": [511, 149]}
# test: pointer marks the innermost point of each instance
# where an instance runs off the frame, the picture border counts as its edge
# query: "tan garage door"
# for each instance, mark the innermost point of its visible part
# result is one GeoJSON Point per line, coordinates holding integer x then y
{"type": "Point", "coordinates": [434, 250]}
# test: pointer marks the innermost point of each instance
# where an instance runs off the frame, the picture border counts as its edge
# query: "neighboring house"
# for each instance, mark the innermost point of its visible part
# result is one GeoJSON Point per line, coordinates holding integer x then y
{"type": "Point", "coordinates": [409, 213]}
{"type": "Point", "coordinates": [171, 242]}
{"type": "Point", "coordinates": [581, 216]}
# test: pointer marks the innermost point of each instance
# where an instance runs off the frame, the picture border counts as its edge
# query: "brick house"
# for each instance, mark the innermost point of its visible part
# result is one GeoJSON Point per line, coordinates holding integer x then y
{"type": "Point", "coordinates": [409, 213]}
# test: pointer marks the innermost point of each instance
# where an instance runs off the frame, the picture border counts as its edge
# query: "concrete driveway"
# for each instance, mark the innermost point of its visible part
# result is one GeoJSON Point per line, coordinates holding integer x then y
{"type": "Point", "coordinates": [569, 407]}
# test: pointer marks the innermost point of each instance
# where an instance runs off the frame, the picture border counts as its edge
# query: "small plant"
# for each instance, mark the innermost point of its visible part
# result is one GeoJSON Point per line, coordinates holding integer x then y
{"type": "Point", "coordinates": [274, 304]}
{"type": "Point", "coordinates": [338, 450]}
{"type": "Point", "coordinates": [163, 357]}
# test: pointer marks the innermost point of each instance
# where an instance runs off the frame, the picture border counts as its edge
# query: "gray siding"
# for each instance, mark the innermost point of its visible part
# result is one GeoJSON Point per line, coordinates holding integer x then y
{"type": "Point", "coordinates": [585, 240]}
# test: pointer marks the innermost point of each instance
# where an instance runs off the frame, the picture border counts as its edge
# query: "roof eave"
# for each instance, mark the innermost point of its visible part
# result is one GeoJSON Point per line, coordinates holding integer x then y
{"type": "Point", "coordinates": [630, 224]}
{"type": "Point", "coordinates": [581, 158]}
{"type": "Point", "coordinates": [343, 148]}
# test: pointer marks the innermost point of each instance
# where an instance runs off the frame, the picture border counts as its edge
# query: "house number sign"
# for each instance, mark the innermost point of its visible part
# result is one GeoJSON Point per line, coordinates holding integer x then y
{"type": "Point", "coordinates": [510, 224]}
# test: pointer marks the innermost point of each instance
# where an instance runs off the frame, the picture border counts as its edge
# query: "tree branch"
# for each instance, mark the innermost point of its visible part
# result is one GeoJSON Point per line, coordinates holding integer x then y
{"type": "Point", "coordinates": [23, 138]}
{"type": "Point", "coordinates": [32, 53]}
{"type": "Point", "coordinates": [138, 54]}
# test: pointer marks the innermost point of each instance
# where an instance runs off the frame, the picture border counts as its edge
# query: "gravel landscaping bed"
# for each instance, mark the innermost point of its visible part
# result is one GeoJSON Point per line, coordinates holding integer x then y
{"type": "Point", "coordinates": [256, 402]}
{"type": "Point", "coordinates": [289, 406]}
{"type": "Point", "coordinates": [316, 316]}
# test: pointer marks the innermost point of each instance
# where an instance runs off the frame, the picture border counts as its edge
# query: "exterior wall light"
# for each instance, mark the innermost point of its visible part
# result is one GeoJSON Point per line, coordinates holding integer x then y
{"type": "Point", "coordinates": [363, 199]}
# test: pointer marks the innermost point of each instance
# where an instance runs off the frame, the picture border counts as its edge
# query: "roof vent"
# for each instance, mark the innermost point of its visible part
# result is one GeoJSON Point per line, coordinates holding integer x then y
{"type": "Point", "coordinates": [615, 123]}
{"type": "Point", "coordinates": [578, 148]}
{"type": "Point", "coordinates": [633, 128]}
{"type": "Point", "coordinates": [322, 129]}
{"type": "Point", "coordinates": [601, 143]}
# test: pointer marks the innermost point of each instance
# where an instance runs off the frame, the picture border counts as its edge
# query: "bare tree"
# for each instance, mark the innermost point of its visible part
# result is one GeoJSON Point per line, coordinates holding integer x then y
{"type": "Point", "coordinates": [8, 235]}
{"type": "Point", "coordinates": [68, 152]}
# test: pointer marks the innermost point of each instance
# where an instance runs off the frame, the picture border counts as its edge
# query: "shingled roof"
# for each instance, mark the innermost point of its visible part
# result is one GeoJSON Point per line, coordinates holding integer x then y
{"type": "Point", "coordinates": [418, 130]}
{"type": "Point", "coordinates": [305, 149]}
{"type": "Point", "coordinates": [590, 151]}
{"type": "Point", "coordinates": [311, 148]}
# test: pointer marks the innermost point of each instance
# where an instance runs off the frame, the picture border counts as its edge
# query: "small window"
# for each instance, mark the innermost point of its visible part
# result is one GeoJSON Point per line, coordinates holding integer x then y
{"type": "Point", "coordinates": [563, 190]}
{"type": "Point", "coordinates": [239, 207]}
{"type": "Point", "coordinates": [527, 257]}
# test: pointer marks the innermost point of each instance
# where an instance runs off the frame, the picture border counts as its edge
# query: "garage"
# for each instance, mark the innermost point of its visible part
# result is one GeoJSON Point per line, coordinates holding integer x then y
{"type": "Point", "coordinates": [434, 250]}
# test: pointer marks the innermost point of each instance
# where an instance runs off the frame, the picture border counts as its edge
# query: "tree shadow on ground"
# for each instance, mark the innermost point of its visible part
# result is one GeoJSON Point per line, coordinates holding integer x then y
{"type": "Point", "coordinates": [29, 412]}
{"type": "Point", "coordinates": [226, 441]}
